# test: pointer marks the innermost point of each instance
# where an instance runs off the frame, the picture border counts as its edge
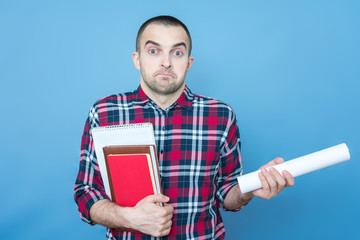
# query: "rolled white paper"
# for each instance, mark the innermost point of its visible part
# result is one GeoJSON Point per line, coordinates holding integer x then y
{"type": "Point", "coordinates": [299, 166]}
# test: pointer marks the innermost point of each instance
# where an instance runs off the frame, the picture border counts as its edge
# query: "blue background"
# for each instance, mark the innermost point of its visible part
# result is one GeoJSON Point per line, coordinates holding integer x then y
{"type": "Point", "coordinates": [290, 70]}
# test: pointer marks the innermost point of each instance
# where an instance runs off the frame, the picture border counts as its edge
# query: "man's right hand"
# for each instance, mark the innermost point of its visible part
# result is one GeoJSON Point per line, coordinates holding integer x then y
{"type": "Point", "coordinates": [150, 218]}
{"type": "Point", "coordinates": [147, 216]}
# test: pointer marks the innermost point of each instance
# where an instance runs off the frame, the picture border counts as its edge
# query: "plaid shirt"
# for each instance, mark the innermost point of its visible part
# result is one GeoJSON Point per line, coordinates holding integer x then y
{"type": "Point", "coordinates": [198, 146]}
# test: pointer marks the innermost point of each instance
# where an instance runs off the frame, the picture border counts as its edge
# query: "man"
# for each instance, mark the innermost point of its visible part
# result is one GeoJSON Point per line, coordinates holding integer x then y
{"type": "Point", "coordinates": [197, 140]}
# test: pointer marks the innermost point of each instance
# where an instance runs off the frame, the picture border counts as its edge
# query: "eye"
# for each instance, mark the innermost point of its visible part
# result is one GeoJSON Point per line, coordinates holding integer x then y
{"type": "Point", "coordinates": [153, 51]}
{"type": "Point", "coordinates": [178, 53]}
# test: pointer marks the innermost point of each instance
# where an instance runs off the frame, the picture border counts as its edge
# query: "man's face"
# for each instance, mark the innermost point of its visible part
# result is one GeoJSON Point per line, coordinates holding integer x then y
{"type": "Point", "coordinates": [163, 59]}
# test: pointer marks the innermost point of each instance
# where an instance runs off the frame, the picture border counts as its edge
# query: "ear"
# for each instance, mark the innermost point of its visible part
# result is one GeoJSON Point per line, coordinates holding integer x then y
{"type": "Point", "coordinates": [136, 60]}
{"type": "Point", "coordinates": [190, 62]}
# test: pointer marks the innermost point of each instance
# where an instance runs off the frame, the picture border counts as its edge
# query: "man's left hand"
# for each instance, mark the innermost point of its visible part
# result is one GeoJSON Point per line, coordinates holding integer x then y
{"type": "Point", "coordinates": [272, 181]}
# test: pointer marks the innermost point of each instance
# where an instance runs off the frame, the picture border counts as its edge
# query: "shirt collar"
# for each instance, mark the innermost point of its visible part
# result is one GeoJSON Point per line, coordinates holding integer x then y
{"type": "Point", "coordinates": [139, 96]}
{"type": "Point", "coordinates": [185, 100]}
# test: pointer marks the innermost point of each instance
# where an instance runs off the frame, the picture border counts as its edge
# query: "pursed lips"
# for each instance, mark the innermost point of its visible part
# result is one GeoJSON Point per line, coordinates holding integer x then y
{"type": "Point", "coordinates": [164, 74]}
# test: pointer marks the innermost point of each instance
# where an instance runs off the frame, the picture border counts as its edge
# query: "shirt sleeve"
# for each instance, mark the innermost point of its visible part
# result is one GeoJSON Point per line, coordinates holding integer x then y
{"type": "Point", "coordinates": [230, 159]}
{"type": "Point", "coordinates": [89, 187]}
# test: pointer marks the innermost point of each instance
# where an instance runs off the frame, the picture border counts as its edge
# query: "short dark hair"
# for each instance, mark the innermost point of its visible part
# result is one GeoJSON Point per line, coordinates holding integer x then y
{"type": "Point", "coordinates": [166, 21]}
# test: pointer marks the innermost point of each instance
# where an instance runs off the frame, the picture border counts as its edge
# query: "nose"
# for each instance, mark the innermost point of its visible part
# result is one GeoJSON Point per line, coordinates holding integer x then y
{"type": "Point", "coordinates": [166, 61]}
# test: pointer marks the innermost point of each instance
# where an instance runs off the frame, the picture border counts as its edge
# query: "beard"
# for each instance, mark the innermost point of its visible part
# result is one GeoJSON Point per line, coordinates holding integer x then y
{"type": "Point", "coordinates": [171, 84]}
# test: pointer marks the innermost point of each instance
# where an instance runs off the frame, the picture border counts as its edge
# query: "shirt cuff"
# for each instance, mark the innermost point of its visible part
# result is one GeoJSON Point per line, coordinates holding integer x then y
{"type": "Point", "coordinates": [86, 202]}
{"type": "Point", "coordinates": [221, 195]}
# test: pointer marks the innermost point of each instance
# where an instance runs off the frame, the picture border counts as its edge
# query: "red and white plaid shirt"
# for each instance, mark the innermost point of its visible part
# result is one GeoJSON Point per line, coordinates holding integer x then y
{"type": "Point", "coordinates": [198, 147]}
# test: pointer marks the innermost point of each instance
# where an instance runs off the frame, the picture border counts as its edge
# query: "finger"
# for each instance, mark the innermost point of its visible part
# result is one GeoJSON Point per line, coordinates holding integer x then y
{"type": "Point", "coordinates": [271, 182]}
{"type": "Point", "coordinates": [169, 206]}
{"type": "Point", "coordinates": [168, 217]}
{"type": "Point", "coordinates": [165, 212]}
{"type": "Point", "coordinates": [264, 183]}
{"type": "Point", "coordinates": [168, 209]}
{"type": "Point", "coordinates": [281, 183]}
{"type": "Point", "coordinates": [290, 181]}
{"type": "Point", "coordinates": [157, 198]}
{"type": "Point", "coordinates": [168, 224]}
{"type": "Point", "coordinates": [154, 199]}
{"type": "Point", "coordinates": [167, 229]}
{"type": "Point", "coordinates": [277, 160]}
{"type": "Point", "coordinates": [163, 220]}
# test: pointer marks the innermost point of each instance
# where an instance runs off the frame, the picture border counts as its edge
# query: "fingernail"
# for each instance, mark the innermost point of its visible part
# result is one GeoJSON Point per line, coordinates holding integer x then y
{"type": "Point", "coordinates": [285, 172]}
{"type": "Point", "coordinates": [272, 169]}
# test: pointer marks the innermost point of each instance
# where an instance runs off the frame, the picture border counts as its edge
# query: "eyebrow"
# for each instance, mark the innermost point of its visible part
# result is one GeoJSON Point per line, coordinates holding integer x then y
{"type": "Point", "coordinates": [158, 45]}
{"type": "Point", "coordinates": [152, 42]}
{"type": "Point", "coordinates": [180, 44]}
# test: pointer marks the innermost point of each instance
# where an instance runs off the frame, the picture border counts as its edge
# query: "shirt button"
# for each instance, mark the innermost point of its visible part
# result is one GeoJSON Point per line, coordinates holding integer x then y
{"type": "Point", "coordinates": [163, 128]}
{"type": "Point", "coordinates": [161, 151]}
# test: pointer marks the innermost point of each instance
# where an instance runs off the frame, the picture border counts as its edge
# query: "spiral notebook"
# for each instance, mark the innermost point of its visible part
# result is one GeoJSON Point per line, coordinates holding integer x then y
{"type": "Point", "coordinates": [109, 139]}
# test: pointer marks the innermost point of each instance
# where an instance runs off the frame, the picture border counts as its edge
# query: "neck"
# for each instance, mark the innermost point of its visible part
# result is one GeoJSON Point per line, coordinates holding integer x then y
{"type": "Point", "coordinates": [162, 100]}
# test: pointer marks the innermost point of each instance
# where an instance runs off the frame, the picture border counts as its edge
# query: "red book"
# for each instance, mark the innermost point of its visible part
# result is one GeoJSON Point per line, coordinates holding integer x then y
{"type": "Point", "coordinates": [131, 178]}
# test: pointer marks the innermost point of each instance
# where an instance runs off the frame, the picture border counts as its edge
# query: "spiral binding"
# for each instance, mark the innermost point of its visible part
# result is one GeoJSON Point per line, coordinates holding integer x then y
{"type": "Point", "coordinates": [123, 126]}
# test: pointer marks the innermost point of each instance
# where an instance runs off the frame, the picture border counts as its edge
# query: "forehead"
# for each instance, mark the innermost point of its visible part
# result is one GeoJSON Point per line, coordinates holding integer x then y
{"type": "Point", "coordinates": [164, 35]}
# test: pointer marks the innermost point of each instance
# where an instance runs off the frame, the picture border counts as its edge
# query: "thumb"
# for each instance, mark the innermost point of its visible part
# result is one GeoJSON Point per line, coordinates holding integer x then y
{"type": "Point", "coordinates": [154, 199]}
{"type": "Point", "coordinates": [278, 160]}
{"type": "Point", "coordinates": [273, 162]}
